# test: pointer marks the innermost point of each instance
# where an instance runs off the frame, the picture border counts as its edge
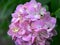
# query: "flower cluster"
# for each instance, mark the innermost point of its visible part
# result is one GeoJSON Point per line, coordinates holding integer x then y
{"type": "Point", "coordinates": [31, 24]}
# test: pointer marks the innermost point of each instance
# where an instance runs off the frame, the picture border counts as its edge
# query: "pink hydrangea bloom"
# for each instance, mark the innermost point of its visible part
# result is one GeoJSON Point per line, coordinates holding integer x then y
{"type": "Point", "coordinates": [31, 24]}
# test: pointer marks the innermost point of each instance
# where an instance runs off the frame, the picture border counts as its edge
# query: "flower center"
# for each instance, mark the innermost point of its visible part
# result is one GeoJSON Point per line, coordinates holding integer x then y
{"type": "Point", "coordinates": [20, 17]}
{"type": "Point", "coordinates": [15, 30]}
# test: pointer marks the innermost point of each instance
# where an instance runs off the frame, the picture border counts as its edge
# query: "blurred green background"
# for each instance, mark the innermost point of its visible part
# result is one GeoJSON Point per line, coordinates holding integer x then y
{"type": "Point", "coordinates": [7, 7]}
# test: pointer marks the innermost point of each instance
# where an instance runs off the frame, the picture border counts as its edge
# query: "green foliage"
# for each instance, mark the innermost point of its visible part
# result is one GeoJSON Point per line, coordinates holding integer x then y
{"type": "Point", "coordinates": [44, 1]}
{"type": "Point", "coordinates": [55, 4]}
{"type": "Point", "coordinates": [57, 13]}
{"type": "Point", "coordinates": [7, 7]}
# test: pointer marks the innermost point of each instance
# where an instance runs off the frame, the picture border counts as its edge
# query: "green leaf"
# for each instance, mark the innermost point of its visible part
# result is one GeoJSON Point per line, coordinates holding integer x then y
{"type": "Point", "coordinates": [57, 13]}
{"type": "Point", "coordinates": [5, 8]}
{"type": "Point", "coordinates": [43, 1]}
{"type": "Point", "coordinates": [22, 1]}
{"type": "Point", "coordinates": [55, 4]}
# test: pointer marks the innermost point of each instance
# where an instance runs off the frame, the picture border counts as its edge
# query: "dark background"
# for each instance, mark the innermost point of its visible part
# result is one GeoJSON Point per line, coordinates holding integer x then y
{"type": "Point", "coordinates": [7, 7]}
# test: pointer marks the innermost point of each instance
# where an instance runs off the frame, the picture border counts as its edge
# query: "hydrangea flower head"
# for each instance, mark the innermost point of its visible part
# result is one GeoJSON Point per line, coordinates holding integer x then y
{"type": "Point", "coordinates": [31, 24]}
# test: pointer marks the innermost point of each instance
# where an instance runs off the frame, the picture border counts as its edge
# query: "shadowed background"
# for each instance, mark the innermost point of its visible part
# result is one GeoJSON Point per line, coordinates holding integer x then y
{"type": "Point", "coordinates": [7, 7]}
